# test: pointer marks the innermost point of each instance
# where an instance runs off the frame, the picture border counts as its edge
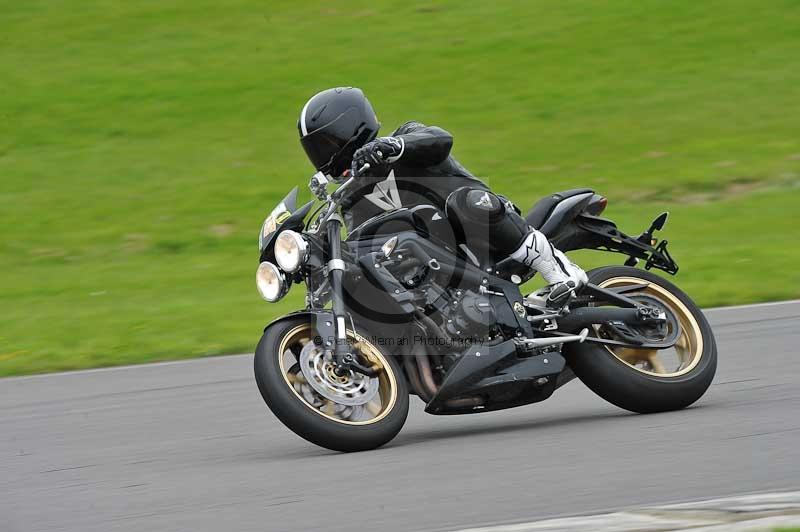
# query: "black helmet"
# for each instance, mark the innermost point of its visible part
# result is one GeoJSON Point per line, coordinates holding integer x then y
{"type": "Point", "coordinates": [333, 125]}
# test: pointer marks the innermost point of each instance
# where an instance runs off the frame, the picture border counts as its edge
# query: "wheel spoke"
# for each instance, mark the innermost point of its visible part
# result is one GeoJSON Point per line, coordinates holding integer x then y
{"type": "Point", "coordinates": [329, 407]}
{"type": "Point", "coordinates": [631, 356]}
{"type": "Point", "coordinates": [688, 347]}
{"type": "Point", "coordinates": [682, 342]}
{"type": "Point", "coordinates": [308, 369]}
{"type": "Point", "coordinates": [373, 407]}
{"type": "Point", "coordinates": [656, 363]}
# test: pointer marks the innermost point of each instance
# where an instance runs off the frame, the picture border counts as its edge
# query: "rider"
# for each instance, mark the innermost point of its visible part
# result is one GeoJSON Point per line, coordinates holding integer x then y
{"type": "Point", "coordinates": [338, 130]}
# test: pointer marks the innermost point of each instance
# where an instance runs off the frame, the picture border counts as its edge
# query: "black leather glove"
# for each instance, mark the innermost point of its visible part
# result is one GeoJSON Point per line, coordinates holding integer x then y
{"type": "Point", "coordinates": [378, 154]}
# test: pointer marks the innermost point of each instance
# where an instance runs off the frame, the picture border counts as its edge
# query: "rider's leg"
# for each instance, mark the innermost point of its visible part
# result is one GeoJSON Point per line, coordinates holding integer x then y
{"type": "Point", "coordinates": [493, 219]}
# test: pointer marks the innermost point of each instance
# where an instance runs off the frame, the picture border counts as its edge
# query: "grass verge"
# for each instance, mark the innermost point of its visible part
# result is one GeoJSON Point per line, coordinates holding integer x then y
{"type": "Point", "coordinates": [141, 145]}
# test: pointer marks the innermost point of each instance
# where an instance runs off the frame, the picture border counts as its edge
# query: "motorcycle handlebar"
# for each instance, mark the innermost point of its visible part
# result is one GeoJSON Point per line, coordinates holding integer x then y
{"type": "Point", "coordinates": [340, 191]}
{"type": "Point", "coordinates": [336, 196]}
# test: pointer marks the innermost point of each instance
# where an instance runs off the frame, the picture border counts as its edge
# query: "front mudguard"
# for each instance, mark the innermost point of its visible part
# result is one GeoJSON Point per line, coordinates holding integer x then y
{"type": "Point", "coordinates": [321, 320]}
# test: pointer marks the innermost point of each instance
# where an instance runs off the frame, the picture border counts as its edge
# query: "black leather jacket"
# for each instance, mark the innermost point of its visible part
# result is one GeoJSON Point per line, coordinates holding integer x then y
{"type": "Point", "coordinates": [425, 173]}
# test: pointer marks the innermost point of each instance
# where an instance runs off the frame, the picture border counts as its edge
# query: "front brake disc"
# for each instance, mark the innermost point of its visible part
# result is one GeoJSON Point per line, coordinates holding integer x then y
{"type": "Point", "coordinates": [351, 389]}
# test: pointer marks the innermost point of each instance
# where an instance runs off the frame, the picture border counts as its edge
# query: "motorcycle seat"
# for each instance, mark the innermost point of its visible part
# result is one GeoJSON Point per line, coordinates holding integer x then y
{"type": "Point", "coordinates": [542, 209]}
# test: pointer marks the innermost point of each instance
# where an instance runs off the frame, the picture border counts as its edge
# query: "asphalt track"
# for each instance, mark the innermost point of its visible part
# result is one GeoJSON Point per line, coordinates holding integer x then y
{"type": "Point", "coordinates": [190, 446]}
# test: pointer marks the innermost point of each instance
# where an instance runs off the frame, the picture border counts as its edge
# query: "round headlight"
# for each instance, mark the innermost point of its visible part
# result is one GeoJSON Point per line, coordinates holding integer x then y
{"type": "Point", "coordinates": [270, 282]}
{"type": "Point", "coordinates": [291, 251]}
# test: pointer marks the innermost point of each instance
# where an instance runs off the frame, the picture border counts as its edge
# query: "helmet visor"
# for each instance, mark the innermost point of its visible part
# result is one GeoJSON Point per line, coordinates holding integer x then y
{"type": "Point", "coordinates": [324, 145]}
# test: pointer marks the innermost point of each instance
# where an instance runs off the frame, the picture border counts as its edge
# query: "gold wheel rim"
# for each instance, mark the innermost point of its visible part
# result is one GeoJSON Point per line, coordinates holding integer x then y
{"type": "Point", "coordinates": [379, 406]}
{"type": "Point", "coordinates": [688, 347]}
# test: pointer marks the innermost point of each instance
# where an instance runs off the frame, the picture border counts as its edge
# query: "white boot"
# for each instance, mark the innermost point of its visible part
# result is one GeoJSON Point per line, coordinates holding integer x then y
{"type": "Point", "coordinates": [561, 275]}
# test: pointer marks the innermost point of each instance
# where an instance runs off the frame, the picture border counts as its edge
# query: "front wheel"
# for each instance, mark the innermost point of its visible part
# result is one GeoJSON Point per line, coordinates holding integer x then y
{"type": "Point", "coordinates": [649, 380]}
{"type": "Point", "coordinates": [352, 412]}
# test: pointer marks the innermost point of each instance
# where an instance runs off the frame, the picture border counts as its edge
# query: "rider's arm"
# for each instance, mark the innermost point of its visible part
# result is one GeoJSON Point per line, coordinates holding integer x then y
{"type": "Point", "coordinates": [423, 145]}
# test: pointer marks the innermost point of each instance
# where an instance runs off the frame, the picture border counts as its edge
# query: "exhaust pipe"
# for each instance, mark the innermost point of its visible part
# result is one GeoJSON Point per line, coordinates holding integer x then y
{"type": "Point", "coordinates": [413, 376]}
{"type": "Point", "coordinates": [465, 402]}
{"type": "Point", "coordinates": [425, 373]}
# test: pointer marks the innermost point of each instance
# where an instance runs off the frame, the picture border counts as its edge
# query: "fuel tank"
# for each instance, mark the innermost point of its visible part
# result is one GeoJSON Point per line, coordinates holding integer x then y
{"type": "Point", "coordinates": [427, 221]}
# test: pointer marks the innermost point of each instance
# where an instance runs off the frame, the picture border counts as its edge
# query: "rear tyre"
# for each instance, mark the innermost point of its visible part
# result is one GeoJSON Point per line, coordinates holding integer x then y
{"type": "Point", "coordinates": [345, 425]}
{"type": "Point", "coordinates": [642, 380]}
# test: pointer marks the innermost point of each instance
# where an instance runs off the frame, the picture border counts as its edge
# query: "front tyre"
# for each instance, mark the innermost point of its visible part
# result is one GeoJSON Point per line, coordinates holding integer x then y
{"type": "Point", "coordinates": [642, 380]}
{"type": "Point", "coordinates": [343, 413]}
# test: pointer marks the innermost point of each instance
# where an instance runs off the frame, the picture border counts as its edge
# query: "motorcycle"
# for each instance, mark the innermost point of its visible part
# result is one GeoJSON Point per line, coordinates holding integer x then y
{"type": "Point", "coordinates": [402, 306]}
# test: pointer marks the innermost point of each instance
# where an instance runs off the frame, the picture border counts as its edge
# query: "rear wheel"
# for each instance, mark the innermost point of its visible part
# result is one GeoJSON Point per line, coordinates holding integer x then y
{"type": "Point", "coordinates": [648, 380]}
{"type": "Point", "coordinates": [352, 412]}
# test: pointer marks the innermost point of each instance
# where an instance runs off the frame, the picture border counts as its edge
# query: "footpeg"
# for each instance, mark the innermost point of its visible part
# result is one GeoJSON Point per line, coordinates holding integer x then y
{"type": "Point", "coordinates": [532, 343]}
{"type": "Point", "coordinates": [560, 294]}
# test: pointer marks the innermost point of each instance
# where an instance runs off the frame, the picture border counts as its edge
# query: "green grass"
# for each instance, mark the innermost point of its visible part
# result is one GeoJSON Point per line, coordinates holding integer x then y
{"type": "Point", "coordinates": [142, 144]}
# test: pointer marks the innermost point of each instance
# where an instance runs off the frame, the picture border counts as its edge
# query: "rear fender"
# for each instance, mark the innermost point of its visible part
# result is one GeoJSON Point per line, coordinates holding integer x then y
{"type": "Point", "coordinates": [593, 232]}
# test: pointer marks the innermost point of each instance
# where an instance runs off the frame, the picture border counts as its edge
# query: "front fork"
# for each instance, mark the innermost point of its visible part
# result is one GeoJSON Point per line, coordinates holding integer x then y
{"type": "Point", "coordinates": [343, 358]}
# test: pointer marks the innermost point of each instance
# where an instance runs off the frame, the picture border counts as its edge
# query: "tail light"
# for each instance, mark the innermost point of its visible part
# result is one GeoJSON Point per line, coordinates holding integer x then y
{"type": "Point", "coordinates": [597, 205]}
